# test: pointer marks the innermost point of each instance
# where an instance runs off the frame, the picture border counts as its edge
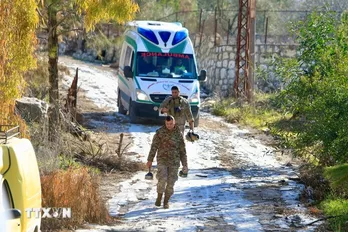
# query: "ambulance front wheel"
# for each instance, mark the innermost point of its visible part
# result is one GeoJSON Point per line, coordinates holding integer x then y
{"type": "Point", "coordinates": [121, 108]}
{"type": "Point", "coordinates": [132, 116]}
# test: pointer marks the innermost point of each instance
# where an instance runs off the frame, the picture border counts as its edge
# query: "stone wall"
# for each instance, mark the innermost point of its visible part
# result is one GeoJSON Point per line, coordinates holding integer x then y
{"type": "Point", "coordinates": [219, 61]}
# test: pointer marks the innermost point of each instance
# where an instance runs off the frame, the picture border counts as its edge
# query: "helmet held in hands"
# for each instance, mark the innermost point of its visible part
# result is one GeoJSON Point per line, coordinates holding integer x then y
{"type": "Point", "coordinates": [191, 136]}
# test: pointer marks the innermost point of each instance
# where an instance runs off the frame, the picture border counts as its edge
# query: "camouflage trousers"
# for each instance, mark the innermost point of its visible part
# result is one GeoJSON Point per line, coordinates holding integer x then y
{"type": "Point", "coordinates": [167, 176]}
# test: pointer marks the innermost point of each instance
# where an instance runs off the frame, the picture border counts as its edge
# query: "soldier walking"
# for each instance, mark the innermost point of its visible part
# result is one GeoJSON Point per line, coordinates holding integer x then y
{"type": "Point", "coordinates": [169, 145]}
{"type": "Point", "coordinates": [178, 107]}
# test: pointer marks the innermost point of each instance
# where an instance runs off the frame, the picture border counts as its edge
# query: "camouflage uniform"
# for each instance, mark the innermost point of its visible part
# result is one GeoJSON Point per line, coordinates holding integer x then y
{"type": "Point", "coordinates": [170, 148]}
{"type": "Point", "coordinates": [181, 116]}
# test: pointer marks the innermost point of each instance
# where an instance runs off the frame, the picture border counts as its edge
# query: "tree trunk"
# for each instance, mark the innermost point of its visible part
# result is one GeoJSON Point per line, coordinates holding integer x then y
{"type": "Point", "coordinates": [53, 114]}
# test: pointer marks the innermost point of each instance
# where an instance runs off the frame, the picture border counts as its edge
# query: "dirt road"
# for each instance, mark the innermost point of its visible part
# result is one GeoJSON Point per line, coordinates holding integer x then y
{"type": "Point", "coordinates": [236, 182]}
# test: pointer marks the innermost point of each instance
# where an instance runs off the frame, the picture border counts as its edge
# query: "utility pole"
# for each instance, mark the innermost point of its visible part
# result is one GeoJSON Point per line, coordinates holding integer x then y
{"type": "Point", "coordinates": [242, 55]}
{"type": "Point", "coordinates": [245, 55]}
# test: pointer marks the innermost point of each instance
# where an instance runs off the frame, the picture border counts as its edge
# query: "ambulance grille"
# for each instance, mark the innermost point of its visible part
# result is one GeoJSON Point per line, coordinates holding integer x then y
{"type": "Point", "coordinates": [159, 98]}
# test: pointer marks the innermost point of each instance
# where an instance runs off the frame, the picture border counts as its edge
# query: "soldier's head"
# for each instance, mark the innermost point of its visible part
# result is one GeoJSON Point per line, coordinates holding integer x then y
{"type": "Point", "coordinates": [170, 122]}
{"type": "Point", "coordinates": [175, 91]}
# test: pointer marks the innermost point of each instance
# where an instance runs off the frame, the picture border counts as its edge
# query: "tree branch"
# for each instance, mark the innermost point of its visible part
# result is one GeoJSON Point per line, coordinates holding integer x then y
{"type": "Point", "coordinates": [48, 6]}
{"type": "Point", "coordinates": [44, 20]}
{"type": "Point", "coordinates": [64, 18]}
{"type": "Point", "coordinates": [43, 28]}
{"type": "Point", "coordinates": [322, 219]}
{"type": "Point", "coordinates": [40, 37]}
{"type": "Point", "coordinates": [68, 14]}
{"type": "Point", "coordinates": [66, 31]}
{"type": "Point", "coordinates": [39, 12]}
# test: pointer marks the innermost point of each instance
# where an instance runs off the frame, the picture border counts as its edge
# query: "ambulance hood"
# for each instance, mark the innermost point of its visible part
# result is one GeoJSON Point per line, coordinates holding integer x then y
{"type": "Point", "coordinates": [163, 85]}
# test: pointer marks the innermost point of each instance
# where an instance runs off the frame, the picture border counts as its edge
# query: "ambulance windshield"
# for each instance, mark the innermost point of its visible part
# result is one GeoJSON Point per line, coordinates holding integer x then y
{"type": "Point", "coordinates": [166, 65]}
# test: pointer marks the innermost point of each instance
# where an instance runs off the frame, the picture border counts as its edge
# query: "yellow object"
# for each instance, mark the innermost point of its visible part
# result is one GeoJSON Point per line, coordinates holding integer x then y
{"type": "Point", "coordinates": [20, 184]}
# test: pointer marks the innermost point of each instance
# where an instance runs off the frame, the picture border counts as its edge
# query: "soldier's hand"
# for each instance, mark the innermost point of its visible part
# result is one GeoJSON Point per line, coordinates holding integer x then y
{"type": "Point", "coordinates": [149, 164]}
{"type": "Point", "coordinates": [185, 169]}
{"type": "Point", "coordinates": [164, 110]}
{"type": "Point", "coordinates": [191, 125]}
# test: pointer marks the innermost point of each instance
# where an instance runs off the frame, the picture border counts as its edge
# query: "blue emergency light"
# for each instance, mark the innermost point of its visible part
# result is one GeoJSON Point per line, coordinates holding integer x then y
{"type": "Point", "coordinates": [148, 34]}
{"type": "Point", "coordinates": [164, 35]}
{"type": "Point", "coordinates": [180, 36]}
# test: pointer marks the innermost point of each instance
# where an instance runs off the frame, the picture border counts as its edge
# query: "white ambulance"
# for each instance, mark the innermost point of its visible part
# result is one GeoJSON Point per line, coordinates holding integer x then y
{"type": "Point", "coordinates": [156, 56]}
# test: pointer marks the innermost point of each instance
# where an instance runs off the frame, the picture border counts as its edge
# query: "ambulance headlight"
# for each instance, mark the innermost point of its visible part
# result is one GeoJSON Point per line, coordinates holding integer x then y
{"type": "Point", "coordinates": [141, 95]}
{"type": "Point", "coordinates": [194, 98]}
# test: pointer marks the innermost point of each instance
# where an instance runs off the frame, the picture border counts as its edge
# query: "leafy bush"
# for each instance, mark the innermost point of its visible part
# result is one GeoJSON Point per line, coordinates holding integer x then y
{"type": "Point", "coordinates": [317, 86]}
{"type": "Point", "coordinates": [336, 205]}
{"type": "Point", "coordinates": [338, 210]}
{"type": "Point", "coordinates": [338, 177]}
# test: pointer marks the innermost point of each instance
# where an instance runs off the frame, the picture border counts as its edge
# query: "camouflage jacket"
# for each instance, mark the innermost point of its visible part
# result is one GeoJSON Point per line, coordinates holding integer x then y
{"type": "Point", "coordinates": [184, 113]}
{"type": "Point", "coordinates": [170, 147]}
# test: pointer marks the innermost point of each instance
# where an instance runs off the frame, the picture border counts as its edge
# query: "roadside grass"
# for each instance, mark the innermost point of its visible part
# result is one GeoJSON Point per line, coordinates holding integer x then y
{"type": "Point", "coordinates": [336, 204]}
{"type": "Point", "coordinates": [71, 178]}
{"type": "Point", "coordinates": [329, 185]}
{"type": "Point", "coordinates": [71, 170]}
{"type": "Point", "coordinates": [338, 177]}
{"type": "Point", "coordinates": [75, 188]}
{"type": "Point", "coordinates": [258, 115]}
{"type": "Point", "coordinates": [337, 209]}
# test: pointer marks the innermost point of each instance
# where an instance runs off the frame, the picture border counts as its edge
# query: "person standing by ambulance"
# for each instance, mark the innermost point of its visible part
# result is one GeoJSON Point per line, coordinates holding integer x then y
{"type": "Point", "coordinates": [178, 107]}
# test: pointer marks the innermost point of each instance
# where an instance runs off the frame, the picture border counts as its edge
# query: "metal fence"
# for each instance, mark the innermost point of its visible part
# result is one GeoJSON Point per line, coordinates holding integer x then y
{"type": "Point", "coordinates": [272, 27]}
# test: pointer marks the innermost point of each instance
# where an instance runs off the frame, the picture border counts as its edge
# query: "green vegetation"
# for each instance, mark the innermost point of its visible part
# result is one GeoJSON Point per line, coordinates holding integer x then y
{"type": "Point", "coordinates": [336, 204]}
{"type": "Point", "coordinates": [338, 209]}
{"type": "Point", "coordinates": [317, 86]}
{"type": "Point", "coordinates": [338, 176]}
{"type": "Point", "coordinates": [310, 114]}
{"type": "Point", "coordinates": [259, 115]}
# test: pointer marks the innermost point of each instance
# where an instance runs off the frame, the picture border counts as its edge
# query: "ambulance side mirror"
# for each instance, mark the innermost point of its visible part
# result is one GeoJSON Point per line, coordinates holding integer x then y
{"type": "Point", "coordinates": [128, 71]}
{"type": "Point", "coordinates": [203, 75]}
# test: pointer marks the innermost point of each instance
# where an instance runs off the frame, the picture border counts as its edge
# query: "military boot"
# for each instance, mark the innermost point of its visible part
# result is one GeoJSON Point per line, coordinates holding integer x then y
{"type": "Point", "coordinates": [166, 202]}
{"type": "Point", "coordinates": [159, 199]}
